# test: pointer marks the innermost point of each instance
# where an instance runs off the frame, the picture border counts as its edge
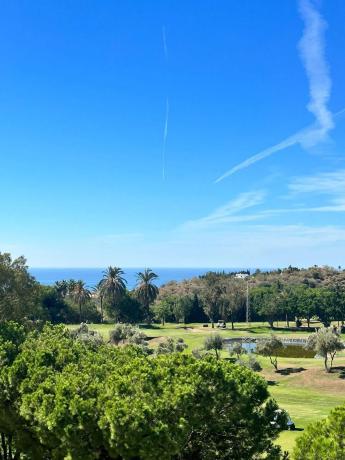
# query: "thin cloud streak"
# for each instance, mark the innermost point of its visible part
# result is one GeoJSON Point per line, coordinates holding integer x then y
{"type": "Point", "coordinates": [229, 212]}
{"type": "Point", "coordinates": [311, 47]}
{"type": "Point", "coordinates": [165, 137]}
{"type": "Point", "coordinates": [164, 39]}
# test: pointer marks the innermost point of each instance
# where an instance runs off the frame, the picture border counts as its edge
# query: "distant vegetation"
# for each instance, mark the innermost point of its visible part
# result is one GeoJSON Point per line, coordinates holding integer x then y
{"type": "Point", "coordinates": [292, 295]}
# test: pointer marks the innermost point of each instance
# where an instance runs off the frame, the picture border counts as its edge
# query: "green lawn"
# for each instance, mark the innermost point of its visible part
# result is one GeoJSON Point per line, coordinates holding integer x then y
{"type": "Point", "coordinates": [307, 393]}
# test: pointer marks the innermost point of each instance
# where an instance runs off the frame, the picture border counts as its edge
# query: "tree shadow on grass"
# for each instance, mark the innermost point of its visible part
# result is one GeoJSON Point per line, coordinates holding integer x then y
{"type": "Point", "coordinates": [290, 370]}
{"type": "Point", "coordinates": [340, 370]}
{"type": "Point", "coordinates": [272, 382]}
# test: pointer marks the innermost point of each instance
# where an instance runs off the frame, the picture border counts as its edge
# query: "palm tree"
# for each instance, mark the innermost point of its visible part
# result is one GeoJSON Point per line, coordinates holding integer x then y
{"type": "Point", "coordinates": [61, 288]}
{"type": "Point", "coordinates": [80, 295]}
{"type": "Point", "coordinates": [146, 291]}
{"type": "Point", "coordinates": [113, 285]}
{"type": "Point", "coordinates": [98, 290]}
{"type": "Point", "coordinates": [71, 284]}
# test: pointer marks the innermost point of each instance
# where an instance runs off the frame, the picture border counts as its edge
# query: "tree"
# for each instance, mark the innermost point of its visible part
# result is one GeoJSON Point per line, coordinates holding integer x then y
{"type": "Point", "coordinates": [181, 308]}
{"type": "Point", "coordinates": [265, 300]}
{"type": "Point", "coordinates": [99, 292]}
{"type": "Point", "coordinates": [236, 349]}
{"type": "Point", "coordinates": [233, 299]}
{"type": "Point", "coordinates": [113, 286]}
{"type": "Point", "coordinates": [146, 290]}
{"type": "Point", "coordinates": [270, 347]}
{"type": "Point", "coordinates": [211, 298]}
{"type": "Point", "coordinates": [323, 439]}
{"type": "Point", "coordinates": [214, 342]}
{"type": "Point", "coordinates": [326, 344]}
{"type": "Point", "coordinates": [19, 292]}
{"type": "Point", "coordinates": [162, 309]}
{"type": "Point", "coordinates": [66, 398]}
{"type": "Point", "coordinates": [80, 295]}
{"type": "Point", "coordinates": [54, 305]}
{"type": "Point", "coordinates": [61, 288]}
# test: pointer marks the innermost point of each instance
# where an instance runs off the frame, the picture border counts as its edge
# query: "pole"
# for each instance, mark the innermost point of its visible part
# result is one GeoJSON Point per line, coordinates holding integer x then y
{"type": "Point", "coordinates": [247, 306]}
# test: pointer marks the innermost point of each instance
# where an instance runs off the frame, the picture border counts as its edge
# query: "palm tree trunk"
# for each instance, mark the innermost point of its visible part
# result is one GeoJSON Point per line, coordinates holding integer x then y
{"type": "Point", "coordinates": [79, 311]}
{"type": "Point", "coordinates": [101, 298]}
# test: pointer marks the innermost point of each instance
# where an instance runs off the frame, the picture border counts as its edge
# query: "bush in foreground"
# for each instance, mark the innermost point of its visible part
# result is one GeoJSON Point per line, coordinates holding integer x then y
{"type": "Point", "coordinates": [66, 398]}
{"type": "Point", "coordinates": [324, 439]}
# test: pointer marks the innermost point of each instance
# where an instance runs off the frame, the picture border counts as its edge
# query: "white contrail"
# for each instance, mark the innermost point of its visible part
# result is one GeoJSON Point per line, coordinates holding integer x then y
{"type": "Point", "coordinates": [166, 123]}
{"type": "Point", "coordinates": [165, 136]}
{"type": "Point", "coordinates": [311, 48]}
{"type": "Point", "coordinates": [165, 48]}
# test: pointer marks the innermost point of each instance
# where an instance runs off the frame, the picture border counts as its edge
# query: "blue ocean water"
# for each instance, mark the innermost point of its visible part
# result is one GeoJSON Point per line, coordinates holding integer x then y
{"type": "Point", "coordinates": [91, 276]}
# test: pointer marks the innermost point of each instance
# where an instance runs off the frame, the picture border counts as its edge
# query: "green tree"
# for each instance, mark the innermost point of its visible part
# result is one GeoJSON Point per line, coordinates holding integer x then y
{"type": "Point", "coordinates": [19, 292]}
{"type": "Point", "coordinates": [211, 298]}
{"type": "Point", "coordinates": [236, 349]}
{"type": "Point", "coordinates": [99, 293]}
{"type": "Point", "coordinates": [162, 309]}
{"type": "Point", "coordinates": [80, 296]}
{"type": "Point", "coordinates": [61, 288]}
{"type": "Point", "coordinates": [113, 286]}
{"type": "Point", "coordinates": [323, 439]}
{"type": "Point", "coordinates": [67, 398]}
{"type": "Point", "coordinates": [214, 342]}
{"type": "Point", "coordinates": [270, 348]}
{"type": "Point", "coordinates": [326, 344]}
{"type": "Point", "coordinates": [265, 300]}
{"type": "Point", "coordinates": [181, 308]}
{"type": "Point", "coordinates": [233, 299]}
{"type": "Point", "coordinates": [146, 290]}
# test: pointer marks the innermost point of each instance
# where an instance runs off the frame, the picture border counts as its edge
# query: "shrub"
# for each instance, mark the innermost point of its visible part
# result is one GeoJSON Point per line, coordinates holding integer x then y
{"type": "Point", "coordinates": [214, 342]}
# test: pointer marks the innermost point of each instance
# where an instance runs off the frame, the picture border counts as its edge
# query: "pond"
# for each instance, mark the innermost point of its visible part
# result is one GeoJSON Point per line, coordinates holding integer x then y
{"type": "Point", "coordinates": [291, 348]}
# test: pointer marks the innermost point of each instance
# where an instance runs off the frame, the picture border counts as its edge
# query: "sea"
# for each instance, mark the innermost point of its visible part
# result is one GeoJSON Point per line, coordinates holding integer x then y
{"type": "Point", "coordinates": [91, 276]}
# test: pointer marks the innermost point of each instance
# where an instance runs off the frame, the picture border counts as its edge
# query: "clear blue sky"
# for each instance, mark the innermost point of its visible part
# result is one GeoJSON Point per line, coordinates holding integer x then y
{"type": "Point", "coordinates": [84, 127]}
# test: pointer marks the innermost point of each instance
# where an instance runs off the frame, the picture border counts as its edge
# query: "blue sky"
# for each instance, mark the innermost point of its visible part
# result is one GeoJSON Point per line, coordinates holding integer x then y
{"type": "Point", "coordinates": [145, 133]}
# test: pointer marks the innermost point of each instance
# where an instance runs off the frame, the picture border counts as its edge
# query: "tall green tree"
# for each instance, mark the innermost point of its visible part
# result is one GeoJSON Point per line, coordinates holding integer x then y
{"type": "Point", "coordinates": [80, 296]}
{"type": "Point", "coordinates": [19, 291]}
{"type": "Point", "coordinates": [113, 286]}
{"type": "Point", "coordinates": [233, 299]}
{"type": "Point", "coordinates": [99, 293]}
{"type": "Point", "coordinates": [146, 290]}
{"type": "Point", "coordinates": [61, 288]}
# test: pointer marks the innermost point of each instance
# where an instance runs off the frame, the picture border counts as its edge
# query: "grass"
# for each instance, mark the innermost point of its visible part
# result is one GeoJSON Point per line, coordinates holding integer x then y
{"type": "Point", "coordinates": [304, 389]}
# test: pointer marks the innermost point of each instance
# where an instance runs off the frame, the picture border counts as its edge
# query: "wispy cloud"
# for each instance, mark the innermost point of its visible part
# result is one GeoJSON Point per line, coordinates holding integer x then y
{"type": "Point", "coordinates": [165, 137]}
{"type": "Point", "coordinates": [330, 183]}
{"type": "Point", "coordinates": [312, 51]}
{"type": "Point", "coordinates": [230, 211]}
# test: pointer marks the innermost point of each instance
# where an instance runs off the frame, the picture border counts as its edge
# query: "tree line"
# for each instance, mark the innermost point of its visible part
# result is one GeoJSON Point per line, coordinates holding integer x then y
{"type": "Point", "coordinates": [291, 295]}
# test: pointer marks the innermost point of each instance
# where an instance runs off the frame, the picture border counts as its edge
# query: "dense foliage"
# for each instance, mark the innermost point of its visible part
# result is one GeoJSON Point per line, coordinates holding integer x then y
{"type": "Point", "coordinates": [323, 439]}
{"type": "Point", "coordinates": [61, 397]}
